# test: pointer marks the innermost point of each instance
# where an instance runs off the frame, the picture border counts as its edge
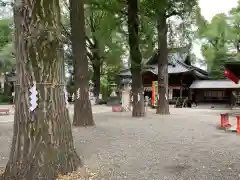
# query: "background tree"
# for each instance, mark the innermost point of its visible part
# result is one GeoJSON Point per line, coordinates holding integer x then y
{"type": "Point", "coordinates": [106, 21]}
{"type": "Point", "coordinates": [234, 17]}
{"type": "Point", "coordinates": [104, 45]}
{"type": "Point", "coordinates": [7, 57]}
{"type": "Point", "coordinates": [82, 105]}
{"type": "Point", "coordinates": [216, 43]}
{"type": "Point", "coordinates": [161, 11]}
{"type": "Point", "coordinates": [5, 32]}
{"type": "Point", "coordinates": [136, 58]}
{"type": "Point", "coordinates": [42, 145]}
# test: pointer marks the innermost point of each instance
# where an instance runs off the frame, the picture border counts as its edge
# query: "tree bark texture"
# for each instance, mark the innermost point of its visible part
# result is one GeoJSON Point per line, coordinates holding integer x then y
{"type": "Point", "coordinates": [136, 59]}
{"type": "Point", "coordinates": [82, 106]}
{"type": "Point", "coordinates": [42, 144]}
{"type": "Point", "coordinates": [163, 106]}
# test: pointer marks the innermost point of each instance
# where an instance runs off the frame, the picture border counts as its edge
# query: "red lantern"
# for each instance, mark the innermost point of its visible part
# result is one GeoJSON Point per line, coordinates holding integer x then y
{"type": "Point", "coordinates": [228, 74]}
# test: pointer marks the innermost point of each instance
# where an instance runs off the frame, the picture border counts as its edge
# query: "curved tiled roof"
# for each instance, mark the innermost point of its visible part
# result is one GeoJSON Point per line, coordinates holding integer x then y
{"type": "Point", "coordinates": [175, 65]}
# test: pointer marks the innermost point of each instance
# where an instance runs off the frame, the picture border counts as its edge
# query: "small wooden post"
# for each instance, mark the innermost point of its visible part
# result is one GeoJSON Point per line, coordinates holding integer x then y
{"type": "Point", "coordinates": [238, 124]}
{"type": "Point", "coordinates": [224, 121]}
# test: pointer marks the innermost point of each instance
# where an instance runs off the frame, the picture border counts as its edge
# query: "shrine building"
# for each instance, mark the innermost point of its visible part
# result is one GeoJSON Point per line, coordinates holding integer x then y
{"type": "Point", "coordinates": [185, 80]}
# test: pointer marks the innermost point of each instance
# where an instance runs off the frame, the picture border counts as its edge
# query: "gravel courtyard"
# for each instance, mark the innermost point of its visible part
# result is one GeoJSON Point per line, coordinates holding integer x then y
{"type": "Point", "coordinates": [182, 146]}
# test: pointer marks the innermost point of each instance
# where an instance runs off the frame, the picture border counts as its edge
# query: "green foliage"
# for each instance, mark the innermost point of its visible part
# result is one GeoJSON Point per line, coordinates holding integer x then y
{"type": "Point", "coordinates": [181, 15]}
{"type": "Point", "coordinates": [101, 29]}
{"type": "Point", "coordinates": [106, 30]}
{"type": "Point", "coordinates": [102, 35]}
{"type": "Point", "coordinates": [5, 32]}
{"type": "Point", "coordinates": [117, 10]}
{"type": "Point", "coordinates": [7, 58]}
{"type": "Point", "coordinates": [148, 37]}
{"type": "Point", "coordinates": [5, 99]}
{"type": "Point", "coordinates": [105, 89]}
{"type": "Point", "coordinates": [220, 40]}
{"type": "Point", "coordinates": [105, 41]}
{"type": "Point", "coordinates": [7, 55]}
{"type": "Point", "coordinates": [234, 17]}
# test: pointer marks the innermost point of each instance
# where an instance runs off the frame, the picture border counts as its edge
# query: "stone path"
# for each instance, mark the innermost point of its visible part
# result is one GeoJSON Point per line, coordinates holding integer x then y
{"type": "Point", "coordinates": [182, 146]}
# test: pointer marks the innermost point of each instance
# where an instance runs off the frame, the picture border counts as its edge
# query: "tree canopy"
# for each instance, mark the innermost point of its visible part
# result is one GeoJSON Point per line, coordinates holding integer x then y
{"type": "Point", "coordinates": [7, 58]}
{"type": "Point", "coordinates": [220, 40]}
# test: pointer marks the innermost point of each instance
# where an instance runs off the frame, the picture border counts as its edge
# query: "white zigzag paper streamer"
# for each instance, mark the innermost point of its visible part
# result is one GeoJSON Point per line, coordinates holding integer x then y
{"type": "Point", "coordinates": [33, 97]}
{"type": "Point", "coordinates": [78, 93]}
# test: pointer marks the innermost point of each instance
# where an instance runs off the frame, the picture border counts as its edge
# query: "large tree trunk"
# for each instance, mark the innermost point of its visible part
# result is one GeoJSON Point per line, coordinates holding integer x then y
{"type": "Point", "coordinates": [163, 106]}
{"type": "Point", "coordinates": [42, 144]}
{"type": "Point", "coordinates": [82, 106]}
{"type": "Point", "coordinates": [136, 59]}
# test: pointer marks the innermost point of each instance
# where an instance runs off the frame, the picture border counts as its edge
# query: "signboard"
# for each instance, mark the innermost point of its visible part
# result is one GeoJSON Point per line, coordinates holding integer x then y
{"type": "Point", "coordinates": [154, 93]}
{"type": "Point", "coordinates": [168, 95]}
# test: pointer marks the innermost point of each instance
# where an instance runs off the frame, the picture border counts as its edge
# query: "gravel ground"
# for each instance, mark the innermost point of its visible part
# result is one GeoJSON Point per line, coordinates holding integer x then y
{"type": "Point", "coordinates": [182, 146]}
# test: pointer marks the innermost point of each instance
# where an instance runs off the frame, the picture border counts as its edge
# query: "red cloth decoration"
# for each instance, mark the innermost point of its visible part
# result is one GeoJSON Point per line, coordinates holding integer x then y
{"type": "Point", "coordinates": [228, 74]}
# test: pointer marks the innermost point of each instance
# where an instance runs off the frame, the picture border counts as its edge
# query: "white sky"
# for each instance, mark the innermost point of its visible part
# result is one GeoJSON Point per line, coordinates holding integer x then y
{"type": "Point", "coordinates": [209, 8]}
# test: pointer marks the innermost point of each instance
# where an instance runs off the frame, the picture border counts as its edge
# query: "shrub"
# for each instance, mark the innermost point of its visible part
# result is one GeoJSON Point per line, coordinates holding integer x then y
{"type": "Point", "coordinates": [6, 99]}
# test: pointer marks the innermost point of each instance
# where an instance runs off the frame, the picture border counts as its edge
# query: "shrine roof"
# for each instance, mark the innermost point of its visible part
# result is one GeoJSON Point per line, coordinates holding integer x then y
{"type": "Point", "coordinates": [126, 80]}
{"type": "Point", "coordinates": [125, 72]}
{"type": "Point", "coordinates": [214, 84]}
{"type": "Point", "coordinates": [172, 56]}
{"type": "Point", "coordinates": [176, 65]}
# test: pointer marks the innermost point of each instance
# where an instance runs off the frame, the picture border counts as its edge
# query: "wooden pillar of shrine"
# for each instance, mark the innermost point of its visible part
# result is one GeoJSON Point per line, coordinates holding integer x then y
{"type": "Point", "coordinates": [181, 88]}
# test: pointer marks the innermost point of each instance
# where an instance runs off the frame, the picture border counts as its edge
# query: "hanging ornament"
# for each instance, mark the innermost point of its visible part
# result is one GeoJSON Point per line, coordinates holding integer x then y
{"type": "Point", "coordinates": [78, 93]}
{"type": "Point", "coordinates": [138, 97]}
{"type": "Point", "coordinates": [33, 97]}
{"type": "Point", "coordinates": [66, 95]}
{"type": "Point", "coordinates": [73, 97]}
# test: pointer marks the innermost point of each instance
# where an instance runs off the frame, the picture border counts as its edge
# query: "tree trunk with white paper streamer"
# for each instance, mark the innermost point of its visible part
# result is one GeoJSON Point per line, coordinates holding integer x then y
{"type": "Point", "coordinates": [82, 106]}
{"type": "Point", "coordinates": [42, 144]}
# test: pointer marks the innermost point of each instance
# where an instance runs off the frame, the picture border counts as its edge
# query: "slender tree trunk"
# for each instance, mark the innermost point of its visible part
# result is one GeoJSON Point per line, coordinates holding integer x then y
{"type": "Point", "coordinates": [96, 76]}
{"type": "Point", "coordinates": [163, 106]}
{"type": "Point", "coordinates": [96, 61]}
{"type": "Point", "coordinates": [136, 59]}
{"type": "Point", "coordinates": [42, 144]}
{"type": "Point", "coordinates": [238, 47]}
{"type": "Point", "coordinates": [82, 106]}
